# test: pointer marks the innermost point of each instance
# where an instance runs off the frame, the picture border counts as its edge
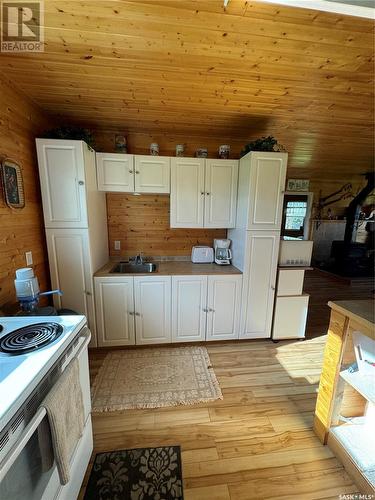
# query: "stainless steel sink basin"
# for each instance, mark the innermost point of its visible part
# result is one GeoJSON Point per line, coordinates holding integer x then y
{"type": "Point", "coordinates": [129, 267]}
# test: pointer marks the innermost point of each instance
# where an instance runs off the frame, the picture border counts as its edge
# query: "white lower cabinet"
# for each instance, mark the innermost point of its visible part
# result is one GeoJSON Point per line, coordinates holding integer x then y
{"type": "Point", "coordinates": [189, 308]}
{"type": "Point", "coordinates": [114, 300]}
{"type": "Point", "coordinates": [145, 310]}
{"type": "Point", "coordinates": [259, 283]}
{"type": "Point", "coordinates": [152, 297]}
{"type": "Point", "coordinates": [223, 305]}
{"type": "Point", "coordinates": [205, 307]}
{"type": "Point", "coordinates": [71, 271]}
{"type": "Point", "coordinates": [290, 317]}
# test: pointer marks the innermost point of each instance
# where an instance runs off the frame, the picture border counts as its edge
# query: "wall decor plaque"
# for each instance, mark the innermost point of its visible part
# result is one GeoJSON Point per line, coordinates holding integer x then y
{"type": "Point", "coordinates": [12, 182]}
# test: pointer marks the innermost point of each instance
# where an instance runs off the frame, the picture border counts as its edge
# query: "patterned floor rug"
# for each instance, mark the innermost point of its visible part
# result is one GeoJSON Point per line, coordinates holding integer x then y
{"type": "Point", "coordinates": [154, 378]}
{"type": "Point", "coordinates": [144, 473]}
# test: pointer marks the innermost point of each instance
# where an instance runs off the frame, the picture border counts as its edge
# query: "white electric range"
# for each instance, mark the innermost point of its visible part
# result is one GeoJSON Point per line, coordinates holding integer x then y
{"type": "Point", "coordinates": [34, 351]}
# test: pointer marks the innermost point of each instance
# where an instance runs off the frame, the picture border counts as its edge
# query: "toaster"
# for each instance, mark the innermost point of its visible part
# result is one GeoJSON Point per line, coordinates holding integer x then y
{"type": "Point", "coordinates": [202, 254]}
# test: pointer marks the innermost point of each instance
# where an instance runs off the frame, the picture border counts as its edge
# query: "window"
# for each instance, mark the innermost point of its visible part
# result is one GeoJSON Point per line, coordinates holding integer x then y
{"type": "Point", "coordinates": [294, 216]}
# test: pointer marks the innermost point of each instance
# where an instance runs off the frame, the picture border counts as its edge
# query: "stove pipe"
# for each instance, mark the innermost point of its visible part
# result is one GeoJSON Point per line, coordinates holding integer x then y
{"type": "Point", "coordinates": [354, 205]}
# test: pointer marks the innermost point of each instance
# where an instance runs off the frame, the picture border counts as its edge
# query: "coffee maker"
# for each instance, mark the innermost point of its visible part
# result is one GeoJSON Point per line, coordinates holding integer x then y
{"type": "Point", "coordinates": [223, 254]}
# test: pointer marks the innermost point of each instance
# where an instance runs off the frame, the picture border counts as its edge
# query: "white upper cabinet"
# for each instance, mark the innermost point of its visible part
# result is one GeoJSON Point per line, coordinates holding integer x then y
{"type": "Point", "coordinates": [267, 184]}
{"type": "Point", "coordinates": [62, 180]}
{"type": "Point", "coordinates": [187, 192]}
{"type": "Point", "coordinates": [259, 283]}
{"type": "Point", "coordinates": [220, 193]}
{"type": "Point", "coordinates": [115, 172]}
{"type": "Point", "coordinates": [152, 309]}
{"type": "Point", "coordinates": [223, 307]}
{"type": "Point", "coordinates": [152, 174]}
{"type": "Point", "coordinates": [189, 300]}
{"type": "Point", "coordinates": [203, 193]}
{"type": "Point", "coordinates": [114, 300]}
{"type": "Point", "coordinates": [133, 173]}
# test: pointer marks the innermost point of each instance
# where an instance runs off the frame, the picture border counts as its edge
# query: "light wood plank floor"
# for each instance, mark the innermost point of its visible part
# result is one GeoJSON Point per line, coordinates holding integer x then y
{"type": "Point", "coordinates": [257, 443]}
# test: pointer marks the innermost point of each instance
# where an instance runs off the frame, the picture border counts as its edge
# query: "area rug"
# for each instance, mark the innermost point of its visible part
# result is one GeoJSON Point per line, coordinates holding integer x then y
{"type": "Point", "coordinates": [141, 474]}
{"type": "Point", "coordinates": [154, 378]}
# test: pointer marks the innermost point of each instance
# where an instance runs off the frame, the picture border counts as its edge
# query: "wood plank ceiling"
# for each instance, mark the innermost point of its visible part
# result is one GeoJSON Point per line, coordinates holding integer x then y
{"type": "Point", "coordinates": [192, 66]}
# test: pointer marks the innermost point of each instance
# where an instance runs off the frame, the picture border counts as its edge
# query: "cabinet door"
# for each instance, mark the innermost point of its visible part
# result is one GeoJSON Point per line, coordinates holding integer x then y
{"type": "Point", "coordinates": [187, 192]}
{"type": "Point", "coordinates": [259, 283]}
{"type": "Point", "coordinates": [152, 174]}
{"type": "Point", "coordinates": [290, 317]}
{"type": "Point", "coordinates": [69, 261]}
{"type": "Point", "coordinates": [267, 183]}
{"type": "Point", "coordinates": [189, 301]}
{"type": "Point", "coordinates": [114, 300]}
{"type": "Point", "coordinates": [62, 181]}
{"type": "Point", "coordinates": [152, 309]}
{"type": "Point", "coordinates": [115, 172]}
{"type": "Point", "coordinates": [224, 299]}
{"type": "Point", "coordinates": [220, 193]}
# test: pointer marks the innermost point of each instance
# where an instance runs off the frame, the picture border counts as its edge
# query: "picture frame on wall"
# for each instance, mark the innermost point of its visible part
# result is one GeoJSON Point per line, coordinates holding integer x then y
{"type": "Point", "coordinates": [12, 183]}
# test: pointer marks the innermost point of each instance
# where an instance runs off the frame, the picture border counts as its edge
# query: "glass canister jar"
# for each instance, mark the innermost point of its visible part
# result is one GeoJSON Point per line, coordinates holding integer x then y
{"type": "Point", "coordinates": [154, 149]}
{"type": "Point", "coordinates": [224, 151]}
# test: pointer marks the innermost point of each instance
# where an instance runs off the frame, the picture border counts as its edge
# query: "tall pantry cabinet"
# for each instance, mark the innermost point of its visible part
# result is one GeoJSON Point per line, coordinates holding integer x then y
{"type": "Point", "coordinates": [75, 221]}
{"type": "Point", "coordinates": [256, 237]}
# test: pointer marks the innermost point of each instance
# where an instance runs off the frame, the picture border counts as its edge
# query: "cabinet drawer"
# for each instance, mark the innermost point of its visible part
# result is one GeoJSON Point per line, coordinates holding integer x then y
{"type": "Point", "coordinates": [290, 282]}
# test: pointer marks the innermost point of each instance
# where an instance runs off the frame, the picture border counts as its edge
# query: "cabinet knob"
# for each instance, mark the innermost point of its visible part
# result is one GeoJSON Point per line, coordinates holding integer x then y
{"type": "Point", "coordinates": [272, 287]}
{"type": "Point", "coordinates": [137, 171]}
{"type": "Point", "coordinates": [205, 310]}
{"type": "Point", "coordinates": [137, 314]}
{"type": "Point", "coordinates": [88, 293]}
{"type": "Point", "coordinates": [211, 310]}
{"type": "Point", "coordinates": [202, 193]}
{"type": "Point", "coordinates": [130, 171]}
{"type": "Point", "coordinates": [131, 313]}
{"type": "Point", "coordinates": [207, 194]}
{"type": "Point", "coordinates": [81, 183]}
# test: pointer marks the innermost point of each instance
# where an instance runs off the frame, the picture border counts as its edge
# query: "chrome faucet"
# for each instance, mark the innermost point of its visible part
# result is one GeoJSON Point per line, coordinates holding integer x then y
{"type": "Point", "coordinates": [138, 259]}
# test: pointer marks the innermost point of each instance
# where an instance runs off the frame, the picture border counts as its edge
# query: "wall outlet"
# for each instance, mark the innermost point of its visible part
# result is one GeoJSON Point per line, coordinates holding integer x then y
{"type": "Point", "coordinates": [29, 258]}
{"type": "Point", "coordinates": [117, 245]}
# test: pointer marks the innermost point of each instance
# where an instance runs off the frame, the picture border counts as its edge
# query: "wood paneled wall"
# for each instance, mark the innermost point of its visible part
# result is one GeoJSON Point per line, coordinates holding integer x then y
{"type": "Point", "coordinates": [141, 224]}
{"type": "Point", "coordinates": [23, 229]}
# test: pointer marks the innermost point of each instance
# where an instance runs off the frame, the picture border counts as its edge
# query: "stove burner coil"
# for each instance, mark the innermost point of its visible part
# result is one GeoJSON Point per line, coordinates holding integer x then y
{"type": "Point", "coordinates": [29, 338]}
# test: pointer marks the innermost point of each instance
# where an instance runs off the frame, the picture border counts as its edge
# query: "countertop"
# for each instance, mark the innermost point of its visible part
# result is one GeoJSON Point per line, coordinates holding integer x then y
{"type": "Point", "coordinates": [170, 268]}
{"type": "Point", "coordinates": [361, 311]}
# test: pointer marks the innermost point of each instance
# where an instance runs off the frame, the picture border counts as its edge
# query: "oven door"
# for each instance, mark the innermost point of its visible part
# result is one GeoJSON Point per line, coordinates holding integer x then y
{"type": "Point", "coordinates": [29, 471]}
{"type": "Point", "coordinates": [27, 476]}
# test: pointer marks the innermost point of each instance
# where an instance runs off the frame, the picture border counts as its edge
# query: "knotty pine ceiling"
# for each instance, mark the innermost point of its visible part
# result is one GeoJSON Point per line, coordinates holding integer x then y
{"type": "Point", "coordinates": [192, 66]}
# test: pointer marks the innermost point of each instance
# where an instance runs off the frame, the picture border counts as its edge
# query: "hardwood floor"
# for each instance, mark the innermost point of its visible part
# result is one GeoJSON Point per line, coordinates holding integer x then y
{"type": "Point", "coordinates": [322, 287]}
{"type": "Point", "coordinates": [256, 443]}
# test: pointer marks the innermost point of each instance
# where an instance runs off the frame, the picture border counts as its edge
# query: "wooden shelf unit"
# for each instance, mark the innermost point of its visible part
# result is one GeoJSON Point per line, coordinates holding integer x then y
{"type": "Point", "coordinates": [345, 408]}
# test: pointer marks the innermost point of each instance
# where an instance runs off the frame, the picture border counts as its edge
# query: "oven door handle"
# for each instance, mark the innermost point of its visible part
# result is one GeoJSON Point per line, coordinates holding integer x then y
{"type": "Point", "coordinates": [29, 430]}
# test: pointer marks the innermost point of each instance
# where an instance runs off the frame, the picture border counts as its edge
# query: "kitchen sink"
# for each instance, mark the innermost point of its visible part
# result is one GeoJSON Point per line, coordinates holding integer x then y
{"type": "Point", "coordinates": [129, 267]}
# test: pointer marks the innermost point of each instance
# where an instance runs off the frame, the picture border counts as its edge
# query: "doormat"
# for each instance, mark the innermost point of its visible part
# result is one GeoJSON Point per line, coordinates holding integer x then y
{"type": "Point", "coordinates": [140, 474]}
{"type": "Point", "coordinates": [155, 377]}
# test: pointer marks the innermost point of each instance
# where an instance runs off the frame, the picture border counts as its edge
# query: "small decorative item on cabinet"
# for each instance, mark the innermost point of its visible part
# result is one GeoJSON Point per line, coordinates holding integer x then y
{"type": "Point", "coordinates": [11, 178]}
{"type": "Point", "coordinates": [121, 144]}
{"type": "Point", "coordinates": [298, 185]}
{"type": "Point", "coordinates": [268, 144]}
{"type": "Point", "coordinates": [154, 149]}
{"type": "Point", "coordinates": [201, 153]}
{"type": "Point", "coordinates": [180, 148]}
{"type": "Point", "coordinates": [224, 151]}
